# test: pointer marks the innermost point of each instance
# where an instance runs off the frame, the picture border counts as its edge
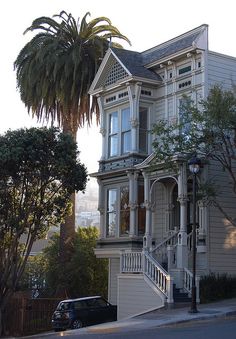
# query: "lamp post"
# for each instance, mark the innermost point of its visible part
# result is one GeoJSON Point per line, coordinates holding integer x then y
{"type": "Point", "coordinates": [194, 167]}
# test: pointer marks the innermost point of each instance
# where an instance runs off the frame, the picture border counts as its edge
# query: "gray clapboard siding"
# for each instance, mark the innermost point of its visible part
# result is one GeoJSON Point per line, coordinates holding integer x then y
{"type": "Point", "coordinates": [221, 69]}
{"type": "Point", "coordinates": [135, 296]}
{"type": "Point", "coordinates": [114, 270]}
{"type": "Point", "coordinates": [158, 221]}
{"type": "Point", "coordinates": [222, 235]}
{"type": "Point", "coordinates": [160, 110]}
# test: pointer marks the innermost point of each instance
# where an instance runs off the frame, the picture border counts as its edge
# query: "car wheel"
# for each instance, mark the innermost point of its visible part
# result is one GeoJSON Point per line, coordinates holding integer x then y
{"type": "Point", "coordinates": [77, 324]}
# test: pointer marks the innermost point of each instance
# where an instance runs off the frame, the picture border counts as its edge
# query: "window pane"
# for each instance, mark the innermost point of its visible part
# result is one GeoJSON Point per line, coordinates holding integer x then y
{"type": "Point", "coordinates": [111, 212]}
{"type": "Point", "coordinates": [126, 142]}
{"type": "Point", "coordinates": [184, 116]}
{"type": "Point", "coordinates": [113, 123]}
{"type": "Point", "coordinates": [143, 111]}
{"type": "Point", "coordinates": [143, 131]}
{"type": "Point", "coordinates": [124, 211]}
{"type": "Point", "coordinates": [125, 119]}
{"type": "Point", "coordinates": [124, 222]}
{"type": "Point", "coordinates": [112, 195]}
{"type": "Point", "coordinates": [111, 224]}
{"type": "Point", "coordinates": [141, 211]}
{"type": "Point", "coordinates": [113, 145]}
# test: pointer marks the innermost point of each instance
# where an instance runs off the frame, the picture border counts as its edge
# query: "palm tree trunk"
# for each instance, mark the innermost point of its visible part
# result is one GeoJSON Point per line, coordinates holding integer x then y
{"type": "Point", "coordinates": [67, 237]}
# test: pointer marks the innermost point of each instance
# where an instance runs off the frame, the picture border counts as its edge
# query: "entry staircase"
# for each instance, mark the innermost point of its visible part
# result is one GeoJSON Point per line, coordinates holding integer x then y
{"type": "Point", "coordinates": [156, 264]}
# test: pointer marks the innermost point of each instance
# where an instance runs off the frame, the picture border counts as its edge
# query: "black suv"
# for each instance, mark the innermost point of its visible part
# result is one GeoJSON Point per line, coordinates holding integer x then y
{"type": "Point", "coordinates": [76, 313]}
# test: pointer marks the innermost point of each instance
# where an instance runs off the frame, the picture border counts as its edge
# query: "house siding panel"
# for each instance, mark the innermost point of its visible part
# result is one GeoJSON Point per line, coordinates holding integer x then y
{"type": "Point", "coordinates": [158, 221]}
{"type": "Point", "coordinates": [135, 296]}
{"type": "Point", "coordinates": [114, 270]}
{"type": "Point", "coordinates": [221, 234]}
{"type": "Point", "coordinates": [221, 69]}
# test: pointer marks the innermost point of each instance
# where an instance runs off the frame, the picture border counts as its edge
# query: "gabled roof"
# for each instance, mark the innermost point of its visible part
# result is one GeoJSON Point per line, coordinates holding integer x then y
{"type": "Point", "coordinates": [134, 62]}
{"type": "Point", "coordinates": [121, 65]}
{"type": "Point", "coordinates": [189, 40]}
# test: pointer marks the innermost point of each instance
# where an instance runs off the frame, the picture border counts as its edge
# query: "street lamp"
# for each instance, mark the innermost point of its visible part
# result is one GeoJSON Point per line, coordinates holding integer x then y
{"type": "Point", "coordinates": [194, 167]}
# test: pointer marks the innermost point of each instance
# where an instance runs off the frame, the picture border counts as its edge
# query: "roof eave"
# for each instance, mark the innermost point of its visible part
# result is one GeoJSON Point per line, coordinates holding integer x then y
{"type": "Point", "coordinates": [171, 57]}
{"type": "Point", "coordinates": [121, 82]}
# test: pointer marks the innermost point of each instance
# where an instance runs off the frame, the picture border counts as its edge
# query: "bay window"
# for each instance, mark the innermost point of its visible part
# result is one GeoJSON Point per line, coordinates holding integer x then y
{"type": "Point", "coordinates": [117, 200]}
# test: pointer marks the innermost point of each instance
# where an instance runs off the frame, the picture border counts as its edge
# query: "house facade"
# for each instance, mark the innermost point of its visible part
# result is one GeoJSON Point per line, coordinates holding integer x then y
{"type": "Point", "coordinates": [145, 210]}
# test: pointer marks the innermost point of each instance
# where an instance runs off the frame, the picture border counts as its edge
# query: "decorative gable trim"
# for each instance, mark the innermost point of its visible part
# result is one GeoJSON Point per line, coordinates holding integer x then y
{"type": "Point", "coordinates": [110, 72]}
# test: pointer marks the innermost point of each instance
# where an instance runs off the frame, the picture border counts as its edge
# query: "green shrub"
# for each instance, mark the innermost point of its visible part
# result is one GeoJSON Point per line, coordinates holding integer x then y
{"type": "Point", "coordinates": [215, 287]}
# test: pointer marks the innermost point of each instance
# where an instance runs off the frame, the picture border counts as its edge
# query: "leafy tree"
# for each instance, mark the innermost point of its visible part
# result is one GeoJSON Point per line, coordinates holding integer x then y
{"type": "Point", "coordinates": [39, 170]}
{"type": "Point", "coordinates": [208, 129]}
{"type": "Point", "coordinates": [55, 69]}
{"type": "Point", "coordinates": [83, 275]}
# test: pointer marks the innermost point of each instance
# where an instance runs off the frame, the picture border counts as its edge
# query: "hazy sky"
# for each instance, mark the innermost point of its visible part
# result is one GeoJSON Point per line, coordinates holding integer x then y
{"type": "Point", "coordinates": [146, 23]}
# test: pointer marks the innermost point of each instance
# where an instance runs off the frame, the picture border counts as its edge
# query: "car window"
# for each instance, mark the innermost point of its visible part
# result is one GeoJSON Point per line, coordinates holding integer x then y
{"type": "Point", "coordinates": [78, 305]}
{"type": "Point", "coordinates": [64, 306]}
{"type": "Point", "coordinates": [101, 302]}
{"type": "Point", "coordinates": [92, 303]}
{"type": "Point", "coordinates": [96, 303]}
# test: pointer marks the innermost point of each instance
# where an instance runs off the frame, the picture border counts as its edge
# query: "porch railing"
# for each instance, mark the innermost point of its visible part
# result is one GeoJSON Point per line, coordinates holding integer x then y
{"type": "Point", "coordinates": [188, 277]}
{"type": "Point", "coordinates": [131, 262]}
{"type": "Point", "coordinates": [143, 262]}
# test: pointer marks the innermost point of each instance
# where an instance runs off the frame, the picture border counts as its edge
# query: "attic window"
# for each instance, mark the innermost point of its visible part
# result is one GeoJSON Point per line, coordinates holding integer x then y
{"type": "Point", "coordinates": [122, 95]}
{"type": "Point", "coordinates": [184, 70]}
{"type": "Point", "coordinates": [113, 98]}
{"type": "Point", "coordinates": [145, 92]}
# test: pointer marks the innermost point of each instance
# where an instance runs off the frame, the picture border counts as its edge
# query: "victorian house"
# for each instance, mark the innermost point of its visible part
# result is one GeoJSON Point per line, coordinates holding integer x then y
{"type": "Point", "coordinates": [145, 210]}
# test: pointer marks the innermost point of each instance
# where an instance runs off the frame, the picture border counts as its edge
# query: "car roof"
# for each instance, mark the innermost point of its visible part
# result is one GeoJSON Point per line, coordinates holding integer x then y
{"type": "Point", "coordinates": [79, 299]}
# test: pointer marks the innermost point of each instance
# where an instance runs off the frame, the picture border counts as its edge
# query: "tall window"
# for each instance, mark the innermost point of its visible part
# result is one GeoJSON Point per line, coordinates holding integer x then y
{"type": "Point", "coordinates": [143, 129]}
{"type": "Point", "coordinates": [113, 134]}
{"type": "Point", "coordinates": [118, 200]}
{"type": "Point", "coordinates": [125, 131]}
{"type": "Point", "coordinates": [119, 137]}
{"type": "Point", "coordinates": [184, 115]}
{"type": "Point", "coordinates": [141, 210]}
{"type": "Point", "coordinates": [124, 211]}
{"type": "Point", "coordinates": [111, 212]}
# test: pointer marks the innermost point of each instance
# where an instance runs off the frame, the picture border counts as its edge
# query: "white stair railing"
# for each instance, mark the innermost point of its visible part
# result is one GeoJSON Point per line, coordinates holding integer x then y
{"type": "Point", "coordinates": [188, 278]}
{"type": "Point", "coordinates": [160, 252]}
{"type": "Point", "coordinates": [131, 262]}
{"type": "Point", "coordinates": [142, 262]}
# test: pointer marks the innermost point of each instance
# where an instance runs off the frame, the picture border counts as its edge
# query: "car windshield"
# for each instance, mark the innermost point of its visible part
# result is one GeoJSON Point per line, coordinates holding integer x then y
{"type": "Point", "coordinates": [64, 306]}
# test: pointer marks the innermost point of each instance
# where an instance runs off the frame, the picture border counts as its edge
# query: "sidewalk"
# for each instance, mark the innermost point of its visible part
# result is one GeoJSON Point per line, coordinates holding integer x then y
{"type": "Point", "coordinates": [160, 317]}
{"type": "Point", "coordinates": [164, 317]}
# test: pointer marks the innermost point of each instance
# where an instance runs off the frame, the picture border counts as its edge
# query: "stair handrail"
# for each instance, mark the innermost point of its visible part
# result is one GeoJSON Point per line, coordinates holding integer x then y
{"type": "Point", "coordinates": [170, 240]}
{"type": "Point", "coordinates": [188, 278]}
{"type": "Point", "coordinates": [143, 262]}
{"type": "Point", "coordinates": [158, 276]}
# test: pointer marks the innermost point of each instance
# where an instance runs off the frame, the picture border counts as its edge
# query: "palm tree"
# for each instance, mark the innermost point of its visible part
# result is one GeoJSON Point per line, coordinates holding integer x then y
{"type": "Point", "coordinates": [55, 69]}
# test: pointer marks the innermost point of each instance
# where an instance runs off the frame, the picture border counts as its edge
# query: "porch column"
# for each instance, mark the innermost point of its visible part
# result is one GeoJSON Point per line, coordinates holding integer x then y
{"type": "Point", "coordinates": [147, 241]}
{"type": "Point", "coordinates": [101, 209]}
{"type": "Point", "coordinates": [133, 189]}
{"type": "Point", "coordinates": [182, 253]}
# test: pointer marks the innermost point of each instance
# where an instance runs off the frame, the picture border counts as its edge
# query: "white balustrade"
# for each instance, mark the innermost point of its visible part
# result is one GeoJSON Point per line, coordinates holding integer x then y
{"type": "Point", "coordinates": [160, 251]}
{"type": "Point", "coordinates": [188, 278]}
{"type": "Point", "coordinates": [142, 262]}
